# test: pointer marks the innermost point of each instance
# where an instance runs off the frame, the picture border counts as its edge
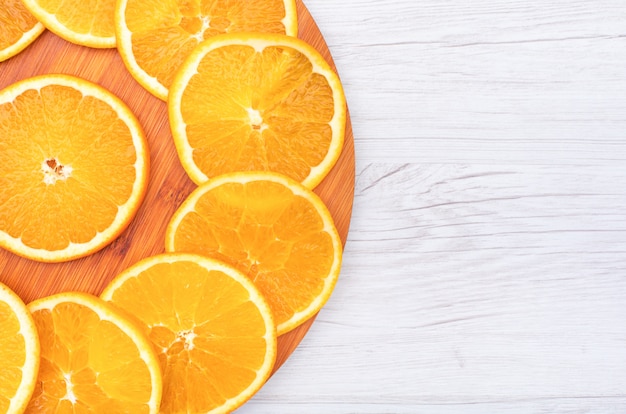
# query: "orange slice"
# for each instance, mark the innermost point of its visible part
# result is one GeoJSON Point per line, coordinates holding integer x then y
{"type": "Point", "coordinates": [257, 102]}
{"type": "Point", "coordinates": [86, 23]}
{"type": "Point", "coordinates": [19, 353]}
{"type": "Point", "coordinates": [18, 28]}
{"type": "Point", "coordinates": [212, 329]}
{"type": "Point", "coordinates": [74, 167]}
{"type": "Point", "coordinates": [93, 360]}
{"type": "Point", "coordinates": [155, 37]}
{"type": "Point", "coordinates": [270, 227]}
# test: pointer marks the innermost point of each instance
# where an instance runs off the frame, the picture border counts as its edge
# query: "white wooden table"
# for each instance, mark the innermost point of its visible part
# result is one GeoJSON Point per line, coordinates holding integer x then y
{"type": "Point", "coordinates": [485, 270]}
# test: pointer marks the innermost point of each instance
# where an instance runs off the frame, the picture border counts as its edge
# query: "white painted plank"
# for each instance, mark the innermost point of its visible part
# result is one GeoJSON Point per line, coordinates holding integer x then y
{"type": "Point", "coordinates": [529, 82]}
{"type": "Point", "coordinates": [542, 406]}
{"type": "Point", "coordinates": [471, 289]}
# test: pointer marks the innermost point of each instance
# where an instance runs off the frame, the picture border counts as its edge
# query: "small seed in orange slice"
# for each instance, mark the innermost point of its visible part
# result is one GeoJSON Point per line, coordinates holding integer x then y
{"type": "Point", "coordinates": [74, 167]}
{"type": "Point", "coordinates": [270, 227]}
{"type": "Point", "coordinates": [19, 353]}
{"type": "Point", "coordinates": [212, 329]}
{"type": "Point", "coordinates": [93, 359]}
{"type": "Point", "coordinates": [257, 102]}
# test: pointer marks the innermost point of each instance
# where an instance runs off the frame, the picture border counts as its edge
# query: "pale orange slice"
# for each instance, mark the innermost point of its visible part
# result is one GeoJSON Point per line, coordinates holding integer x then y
{"type": "Point", "coordinates": [211, 327]}
{"type": "Point", "coordinates": [155, 37]}
{"type": "Point", "coordinates": [93, 359]}
{"type": "Point", "coordinates": [74, 167]}
{"type": "Point", "coordinates": [274, 230]}
{"type": "Point", "coordinates": [19, 353]}
{"type": "Point", "coordinates": [18, 28]}
{"type": "Point", "coordinates": [257, 102]}
{"type": "Point", "coordinates": [86, 23]}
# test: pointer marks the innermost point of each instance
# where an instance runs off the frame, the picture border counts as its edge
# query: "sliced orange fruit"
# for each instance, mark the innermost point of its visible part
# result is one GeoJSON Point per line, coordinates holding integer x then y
{"type": "Point", "coordinates": [270, 227]}
{"type": "Point", "coordinates": [19, 353]}
{"type": "Point", "coordinates": [93, 359]}
{"type": "Point", "coordinates": [75, 167]}
{"type": "Point", "coordinates": [155, 37]}
{"type": "Point", "coordinates": [18, 28]}
{"type": "Point", "coordinates": [257, 102]}
{"type": "Point", "coordinates": [86, 23]}
{"type": "Point", "coordinates": [212, 329]}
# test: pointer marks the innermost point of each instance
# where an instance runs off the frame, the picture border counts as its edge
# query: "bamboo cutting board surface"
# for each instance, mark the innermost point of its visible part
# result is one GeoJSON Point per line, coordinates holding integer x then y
{"type": "Point", "coordinates": [169, 185]}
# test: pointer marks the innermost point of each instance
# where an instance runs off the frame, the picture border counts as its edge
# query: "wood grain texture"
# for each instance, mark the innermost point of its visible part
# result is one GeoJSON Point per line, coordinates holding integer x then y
{"type": "Point", "coordinates": [485, 268]}
{"type": "Point", "coordinates": [168, 186]}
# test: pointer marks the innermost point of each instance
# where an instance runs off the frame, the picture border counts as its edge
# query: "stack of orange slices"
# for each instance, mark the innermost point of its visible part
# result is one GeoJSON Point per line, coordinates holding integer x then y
{"type": "Point", "coordinates": [212, 330]}
{"type": "Point", "coordinates": [257, 118]}
{"type": "Point", "coordinates": [154, 45]}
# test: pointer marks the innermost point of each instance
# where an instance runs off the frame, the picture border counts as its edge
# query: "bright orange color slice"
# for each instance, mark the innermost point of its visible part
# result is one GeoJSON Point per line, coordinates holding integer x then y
{"type": "Point", "coordinates": [212, 329]}
{"type": "Point", "coordinates": [154, 37]}
{"type": "Point", "coordinates": [18, 28]}
{"type": "Point", "coordinates": [19, 353]}
{"type": "Point", "coordinates": [257, 102]}
{"type": "Point", "coordinates": [273, 229]}
{"type": "Point", "coordinates": [93, 359]}
{"type": "Point", "coordinates": [87, 23]}
{"type": "Point", "coordinates": [74, 167]}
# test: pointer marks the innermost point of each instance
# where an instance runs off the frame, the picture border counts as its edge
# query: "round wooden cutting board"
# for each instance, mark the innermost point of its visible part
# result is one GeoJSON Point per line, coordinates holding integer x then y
{"type": "Point", "coordinates": [169, 185]}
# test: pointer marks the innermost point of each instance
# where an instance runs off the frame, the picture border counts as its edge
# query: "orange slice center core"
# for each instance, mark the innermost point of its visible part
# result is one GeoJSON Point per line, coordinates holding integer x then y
{"type": "Point", "coordinates": [256, 120]}
{"type": "Point", "coordinates": [53, 171]}
{"type": "Point", "coordinates": [69, 389]}
{"type": "Point", "coordinates": [187, 337]}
